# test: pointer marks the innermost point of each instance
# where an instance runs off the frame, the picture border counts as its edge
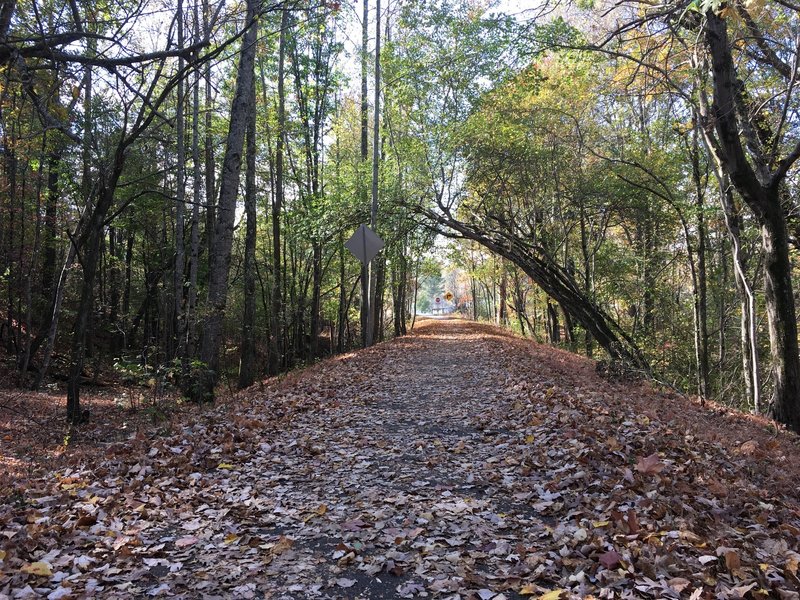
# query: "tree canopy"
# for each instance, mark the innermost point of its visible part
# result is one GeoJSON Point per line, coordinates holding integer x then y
{"type": "Point", "coordinates": [180, 178]}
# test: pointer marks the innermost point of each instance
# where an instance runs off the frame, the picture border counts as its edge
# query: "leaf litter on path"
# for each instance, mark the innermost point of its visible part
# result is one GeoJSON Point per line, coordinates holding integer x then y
{"type": "Point", "coordinates": [459, 462]}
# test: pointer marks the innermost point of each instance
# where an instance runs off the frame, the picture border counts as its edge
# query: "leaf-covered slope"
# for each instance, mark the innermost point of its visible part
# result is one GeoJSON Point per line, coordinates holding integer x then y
{"type": "Point", "coordinates": [459, 462]}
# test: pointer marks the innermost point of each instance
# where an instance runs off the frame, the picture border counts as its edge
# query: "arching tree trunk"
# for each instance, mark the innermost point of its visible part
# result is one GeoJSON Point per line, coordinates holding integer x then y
{"type": "Point", "coordinates": [559, 285]}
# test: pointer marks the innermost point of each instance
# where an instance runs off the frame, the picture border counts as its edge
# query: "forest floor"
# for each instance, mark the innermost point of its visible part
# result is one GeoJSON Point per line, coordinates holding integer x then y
{"type": "Point", "coordinates": [457, 462]}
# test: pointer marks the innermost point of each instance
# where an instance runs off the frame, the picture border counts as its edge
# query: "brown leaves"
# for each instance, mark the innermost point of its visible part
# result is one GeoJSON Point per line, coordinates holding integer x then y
{"type": "Point", "coordinates": [650, 465]}
{"type": "Point", "coordinates": [282, 545]}
{"type": "Point", "coordinates": [404, 467]}
{"type": "Point", "coordinates": [86, 521]}
{"type": "Point", "coordinates": [610, 559]}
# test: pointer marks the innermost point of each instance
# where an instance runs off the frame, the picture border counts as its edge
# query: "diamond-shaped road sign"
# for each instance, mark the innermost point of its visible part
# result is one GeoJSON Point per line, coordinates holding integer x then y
{"type": "Point", "coordinates": [364, 244]}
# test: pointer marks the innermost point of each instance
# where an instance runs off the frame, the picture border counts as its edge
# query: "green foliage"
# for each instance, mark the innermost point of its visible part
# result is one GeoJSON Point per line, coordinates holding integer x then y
{"type": "Point", "coordinates": [197, 384]}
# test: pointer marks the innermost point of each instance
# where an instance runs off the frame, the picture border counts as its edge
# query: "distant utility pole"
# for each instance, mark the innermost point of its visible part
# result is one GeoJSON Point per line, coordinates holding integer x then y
{"type": "Point", "coordinates": [375, 155]}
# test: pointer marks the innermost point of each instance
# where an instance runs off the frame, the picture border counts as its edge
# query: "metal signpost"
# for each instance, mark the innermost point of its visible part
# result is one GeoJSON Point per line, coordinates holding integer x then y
{"type": "Point", "coordinates": [365, 245]}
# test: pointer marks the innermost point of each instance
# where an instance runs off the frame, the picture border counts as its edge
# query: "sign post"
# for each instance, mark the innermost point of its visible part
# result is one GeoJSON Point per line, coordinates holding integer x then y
{"type": "Point", "coordinates": [365, 244]}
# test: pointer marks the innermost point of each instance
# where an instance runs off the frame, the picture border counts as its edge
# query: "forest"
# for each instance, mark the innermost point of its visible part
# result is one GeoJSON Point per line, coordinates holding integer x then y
{"type": "Point", "coordinates": [179, 179]}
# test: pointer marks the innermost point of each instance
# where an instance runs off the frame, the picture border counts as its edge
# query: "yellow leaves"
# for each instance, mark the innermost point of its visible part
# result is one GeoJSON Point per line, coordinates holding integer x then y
{"type": "Point", "coordinates": [72, 483]}
{"type": "Point", "coordinates": [531, 589]}
{"type": "Point", "coordinates": [791, 565]}
{"type": "Point", "coordinates": [225, 466]}
{"type": "Point", "coordinates": [40, 569]}
{"type": "Point", "coordinates": [321, 510]}
{"type": "Point", "coordinates": [529, 439]}
{"type": "Point", "coordinates": [2, 555]}
{"type": "Point", "coordinates": [231, 538]}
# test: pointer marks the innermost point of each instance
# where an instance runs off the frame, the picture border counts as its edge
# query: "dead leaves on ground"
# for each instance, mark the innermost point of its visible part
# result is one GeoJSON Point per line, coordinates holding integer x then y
{"type": "Point", "coordinates": [454, 464]}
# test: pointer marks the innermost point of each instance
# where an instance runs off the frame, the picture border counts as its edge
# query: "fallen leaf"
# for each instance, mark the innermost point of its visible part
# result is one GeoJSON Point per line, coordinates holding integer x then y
{"type": "Point", "coordinates": [791, 565]}
{"type": "Point", "coordinates": [41, 569]}
{"type": "Point", "coordinates": [283, 544]}
{"type": "Point", "coordinates": [186, 541]}
{"type": "Point", "coordinates": [345, 583]}
{"type": "Point", "coordinates": [610, 559]}
{"type": "Point", "coordinates": [749, 447]}
{"type": "Point", "coordinates": [86, 521]}
{"type": "Point", "coordinates": [650, 465]}
{"type": "Point", "coordinates": [59, 593]}
{"type": "Point", "coordinates": [732, 561]}
{"type": "Point", "coordinates": [679, 584]}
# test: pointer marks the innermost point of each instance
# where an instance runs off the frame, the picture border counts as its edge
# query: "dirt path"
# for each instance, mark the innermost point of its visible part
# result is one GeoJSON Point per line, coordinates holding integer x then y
{"type": "Point", "coordinates": [455, 463]}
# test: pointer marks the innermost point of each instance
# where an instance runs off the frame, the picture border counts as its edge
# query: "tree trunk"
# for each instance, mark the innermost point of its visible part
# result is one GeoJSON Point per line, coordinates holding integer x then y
{"type": "Point", "coordinates": [178, 342]}
{"type": "Point", "coordinates": [553, 327]}
{"type": "Point", "coordinates": [248, 348]}
{"type": "Point", "coordinates": [379, 267]}
{"type": "Point", "coordinates": [50, 216]}
{"type": "Point", "coordinates": [276, 318]}
{"type": "Point", "coordinates": [364, 153]}
{"type": "Point", "coordinates": [519, 302]}
{"type": "Point", "coordinates": [342, 317]}
{"type": "Point", "coordinates": [559, 285]}
{"type": "Point", "coordinates": [747, 299]}
{"type": "Point", "coordinates": [194, 251]}
{"type": "Point", "coordinates": [375, 271]}
{"type": "Point", "coordinates": [781, 313]}
{"type": "Point", "coordinates": [210, 172]}
{"type": "Point", "coordinates": [763, 198]}
{"type": "Point", "coordinates": [220, 259]}
{"type": "Point", "coordinates": [503, 307]}
{"type": "Point", "coordinates": [316, 299]}
{"type": "Point", "coordinates": [90, 255]}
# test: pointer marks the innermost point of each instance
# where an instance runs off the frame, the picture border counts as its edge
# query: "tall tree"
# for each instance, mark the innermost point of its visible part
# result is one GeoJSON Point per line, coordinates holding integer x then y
{"type": "Point", "coordinates": [276, 316]}
{"type": "Point", "coordinates": [220, 258]}
{"type": "Point", "coordinates": [248, 346]}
